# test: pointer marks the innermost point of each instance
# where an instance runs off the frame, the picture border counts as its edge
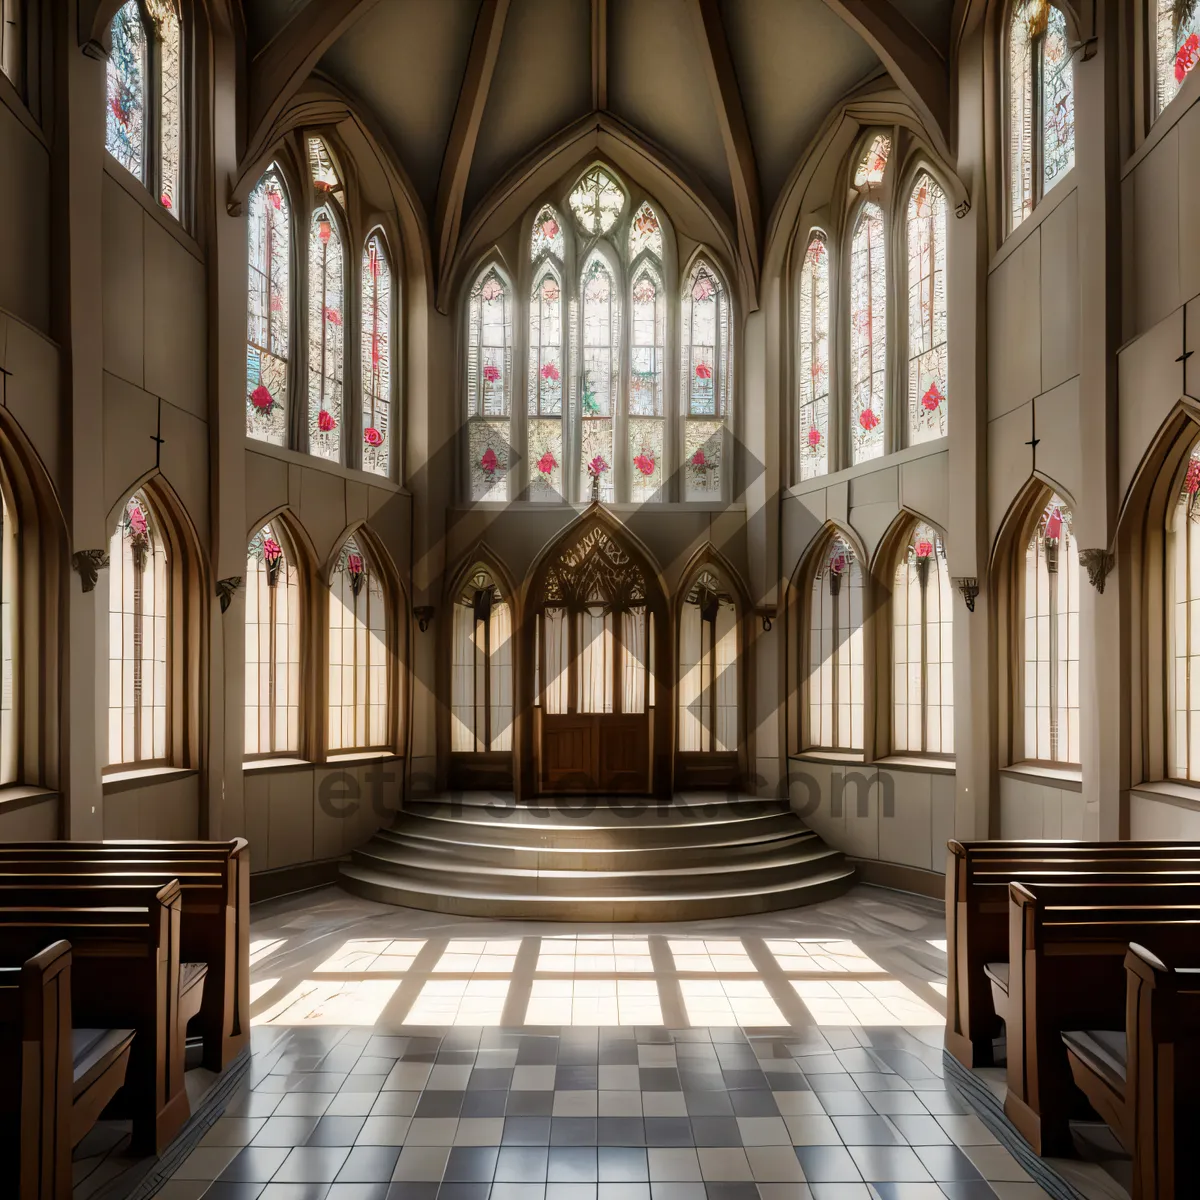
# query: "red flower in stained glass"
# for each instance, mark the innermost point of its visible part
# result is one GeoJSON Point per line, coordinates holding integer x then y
{"type": "Point", "coordinates": [120, 106]}
{"type": "Point", "coordinates": [644, 463]}
{"type": "Point", "coordinates": [815, 252]}
{"type": "Point", "coordinates": [325, 421]}
{"type": "Point", "coordinates": [932, 398]}
{"type": "Point", "coordinates": [372, 436]}
{"type": "Point", "coordinates": [1192, 482]}
{"type": "Point", "coordinates": [702, 289]}
{"type": "Point", "coordinates": [491, 373]}
{"type": "Point", "coordinates": [549, 291]}
{"type": "Point", "coordinates": [1186, 59]}
{"type": "Point", "coordinates": [271, 550]}
{"type": "Point", "coordinates": [547, 463]}
{"type": "Point", "coordinates": [166, 200]}
{"type": "Point", "coordinates": [137, 520]}
{"type": "Point", "coordinates": [814, 437]}
{"type": "Point", "coordinates": [703, 371]}
{"type": "Point", "coordinates": [333, 316]}
{"type": "Point", "coordinates": [489, 462]}
{"type": "Point", "coordinates": [276, 200]}
{"type": "Point", "coordinates": [1054, 525]}
{"type": "Point", "coordinates": [924, 548]}
{"type": "Point", "coordinates": [597, 467]}
{"type": "Point", "coordinates": [491, 290]}
{"type": "Point", "coordinates": [261, 398]}
{"type": "Point", "coordinates": [837, 564]}
{"type": "Point", "coordinates": [324, 231]}
{"type": "Point", "coordinates": [698, 459]}
{"type": "Point", "coordinates": [550, 371]}
{"type": "Point", "coordinates": [867, 419]}
{"type": "Point", "coordinates": [354, 564]}
{"type": "Point", "coordinates": [550, 229]}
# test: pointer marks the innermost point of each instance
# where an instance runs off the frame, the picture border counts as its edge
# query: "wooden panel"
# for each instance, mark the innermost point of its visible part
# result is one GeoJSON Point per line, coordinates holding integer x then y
{"type": "Point", "coordinates": [492, 770]}
{"type": "Point", "coordinates": [569, 753]}
{"type": "Point", "coordinates": [624, 753]}
{"type": "Point", "coordinates": [596, 752]}
{"type": "Point", "coordinates": [717, 771]}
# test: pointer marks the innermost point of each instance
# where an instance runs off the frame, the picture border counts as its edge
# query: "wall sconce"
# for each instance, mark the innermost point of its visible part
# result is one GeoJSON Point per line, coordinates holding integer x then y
{"type": "Point", "coordinates": [424, 614]}
{"type": "Point", "coordinates": [767, 615]}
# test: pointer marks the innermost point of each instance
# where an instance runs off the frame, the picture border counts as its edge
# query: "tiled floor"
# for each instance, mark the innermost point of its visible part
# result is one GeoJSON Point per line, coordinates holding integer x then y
{"type": "Point", "coordinates": [408, 1056]}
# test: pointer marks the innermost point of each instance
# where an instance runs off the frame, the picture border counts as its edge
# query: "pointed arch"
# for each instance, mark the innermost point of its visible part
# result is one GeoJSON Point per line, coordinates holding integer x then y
{"type": "Point", "coordinates": [547, 380]}
{"type": "Point", "coordinates": [269, 301]}
{"type": "Point", "coordinates": [813, 375]}
{"type": "Point", "coordinates": [928, 349]}
{"type": "Point", "coordinates": [378, 307]}
{"type": "Point", "coordinates": [326, 326]}
{"type": "Point", "coordinates": [599, 345]}
{"type": "Point", "coordinates": [868, 308]}
{"type": "Point", "coordinates": [598, 199]}
{"type": "Point", "coordinates": [546, 236]}
{"type": "Point", "coordinates": [706, 379]}
{"type": "Point", "coordinates": [489, 382]}
{"type": "Point", "coordinates": [645, 233]}
{"type": "Point", "coordinates": [646, 412]}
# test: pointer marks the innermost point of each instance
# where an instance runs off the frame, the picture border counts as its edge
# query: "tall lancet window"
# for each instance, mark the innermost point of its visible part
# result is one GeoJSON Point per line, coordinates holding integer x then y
{"type": "Point", "coordinates": [481, 684]}
{"type": "Point", "coordinates": [128, 65]}
{"type": "Point", "coordinates": [813, 383]}
{"type": "Point", "coordinates": [547, 361]}
{"type": "Point", "coordinates": [489, 370]}
{"type": "Point", "coordinates": [272, 645]}
{"type": "Point", "coordinates": [647, 329]}
{"type": "Point", "coordinates": [601, 341]}
{"type": "Point", "coordinates": [927, 351]}
{"type": "Point", "coordinates": [268, 309]}
{"type": "Point", "coordinates": [868, 334]}
{"type": "Point", "coordinates": [376, 357]}
{"type": "Point", "coordinates": [9, 630]}
{"type": "Point", "coordinates": [834, 667]}
{"type": "Point", "coordinates": [1183, 626]}
{"type": "Point", "coordinates": [705, 382]}
{"type": "Point", "coordinates": [922, 650]}
{"type": "Point", "coordinates": [1041, 104]}
{"type": "Point", "coordinates": [138, 637]}
{"type": "Point", "coordinates": [708, 666]}
{"type": "Point", "coordinates": [358, 654]}
{"type": "Point", "coordinates": [1051, 683]}
{"type": "Point", "coordinates": [1177, 46]}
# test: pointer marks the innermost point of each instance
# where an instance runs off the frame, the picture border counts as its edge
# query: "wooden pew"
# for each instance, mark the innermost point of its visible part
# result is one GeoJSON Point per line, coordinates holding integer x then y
{"type": "Point", "coordinates": [58, 1078]}
{"type": "Point", "coordinates": [125, 972]}
{"type": "Point", "coordinates": [226, 1005]}
{"type": "Point", "coordinates": [977, 879]}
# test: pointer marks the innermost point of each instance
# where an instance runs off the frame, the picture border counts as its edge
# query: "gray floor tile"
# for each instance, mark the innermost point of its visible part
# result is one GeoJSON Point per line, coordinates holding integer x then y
{"type": "Point", "coordinates": [369, 1164]}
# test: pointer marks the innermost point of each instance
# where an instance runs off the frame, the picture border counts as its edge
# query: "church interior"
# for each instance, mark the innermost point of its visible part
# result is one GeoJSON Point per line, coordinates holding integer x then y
{"type": "Point", "coordinates": [514, 682]}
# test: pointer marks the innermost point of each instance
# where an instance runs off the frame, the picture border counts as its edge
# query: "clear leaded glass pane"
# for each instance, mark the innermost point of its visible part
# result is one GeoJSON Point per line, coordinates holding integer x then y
{"type": "Point", "coordinates": [1183, 626]}
{"type": "Point", "coordinates": [834, 653]}
{"type": "Point", "coordinates": [645, 233]}
{"type": "Point", "coordinates": [647, 326]}
{"type": "Point", "coordinates": [547, 235]}
{"type": "Point", "coordinates": [268, 310]}
{"type": "Point", "coordinates": [546, 345]}
{"type": "Point", "coordinates": [1177, 47]}
{"type": "Point", "coordinates": [813, 383]}
{"type": "Point", "coordinates": [1058, 101]}
{"type": "Point", "coordinates": [927, 362]}
{"type": "Point", "coordinates": [376, 356]}
{"type": "Point", "coordinates": [868, 334]}
{"type": "Point", "coordinates": [125, 120]}
{"type": "Point", "coordinates": [272, 704]}
{"type": "Point", "coordinates": [597, 201]}
{"type": "Point", "coordinates": [1020, 111]}
{"type": "Point", "coordinates": [169, 30]}
{"type": "Point", "coordinates": [874, 162]}
{"type": "Point", "coordinates": [325, 325]}
{"type": "Point", "coordinates": [358, 655]}
{"type": "Point", "coordinates": [705, 382]}
{"type": "Point", "coordinates": [600, 348]}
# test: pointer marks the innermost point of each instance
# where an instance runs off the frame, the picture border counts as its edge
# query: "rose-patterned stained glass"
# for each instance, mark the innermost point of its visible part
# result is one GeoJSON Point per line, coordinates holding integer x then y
{"type": "Point", "coordinates": [922, 648]}
{"type": "Point", "coordinates": [547, 235]}
{"type": "Point", "coordinates": [546, 458]}
{"type": "Point", "coordinates": [645, 233]}
{"type": "Point", "coordinates": [169, 30]}
{"type": "Point", "coordinates": [358, 654]}
{"type": "Point", "coordinates": [326, 325]}
{"type": "Point", "coordinates": [138, 620]}
{"type": "Point", "coordinates": [1177, 47]}
{"type": "Point", "coordinates": [600, 348]}
{"type": "Point", "coordinates": [873, 163]}
{"type": "Point", "coordinates": [597, 201]}
{"type": "Point", "coordinates": [1058, 100]}
{"type": "Point", "coordinates": [273, 681]}
{"type": "Point", "coordinates": [489, 370]}
{"type": "Point", "coordinates": [125, 118]}
{"type": "Point", "coordinates": [376, 354]}
{"type": "Point", "coordinates": [813, 382]}
{"type": "Point", "coordinates": [647, 323]}
{"type": "Point", "coordinates": [268, 309]}
{"type": "Point", "coordinates": [546, 369]}
{"type": "Point", "coordinates": [322, 168]}
{"type": "Point", "coordinates": [1020, 110]}
{"type": "Point", "coordinates": [868, 334]}
{"type": "Point", "coordinates": [9, 642]}
{"type": "Point", "coordinates": [1051, 653]}
{"type": "Point", "coordinates": [1183, 626]}
{"type": "Point", "coordinates": [834, 665]}
{"type": "Point", "coordinates": [927, 352]}
{"type": "Point", "coordinates": [646, 447]}
{"type": "Point", "coordinates": [705, 383]}
{"type": "Point", "coordinates": [703, 451]}
{"type": "Point", "coordinates": [490, 457]}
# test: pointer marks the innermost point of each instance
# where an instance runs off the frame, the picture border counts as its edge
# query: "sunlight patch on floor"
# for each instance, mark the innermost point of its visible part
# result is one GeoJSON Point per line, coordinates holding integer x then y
{"type": "Point", "coordinates": [594, 1002]}
{"type": "Point", "coordinates": [864, 1002]}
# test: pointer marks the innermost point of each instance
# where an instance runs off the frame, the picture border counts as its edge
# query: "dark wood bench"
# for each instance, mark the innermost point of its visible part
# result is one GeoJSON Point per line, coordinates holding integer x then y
{"type": "Point", "coordinates": [220, 938]}
{"type": "Point", "coordinates": [1144, 1079]}
{"type": "Point", "coordinates": [126, 972]}
{"type": "Point", "coordinates": [977, 879]}
{"type": "Point", "coordinates": [57, 1078]}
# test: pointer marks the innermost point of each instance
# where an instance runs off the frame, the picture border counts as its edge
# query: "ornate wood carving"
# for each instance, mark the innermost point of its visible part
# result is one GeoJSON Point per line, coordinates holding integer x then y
{"type": "Point", "coordinates": [88, 564]}
{"type": "Point", "coordinates": [969, 587]}
{"type": "Point", "coordinates": [226, 589]}
{"type": "Point", "coordinates": [1098, 563]}
{"type": "Point", "coordinates": [595, 571]}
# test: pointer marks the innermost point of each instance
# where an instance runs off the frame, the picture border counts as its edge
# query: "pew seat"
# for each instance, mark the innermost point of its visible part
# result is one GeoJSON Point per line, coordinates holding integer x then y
{"type": "Point", "coordinates": [99, 1058]}
{"type": "Point", "coordinates": [997, 976]}
{"type": "Point", "coordinates": [1105, 1051]}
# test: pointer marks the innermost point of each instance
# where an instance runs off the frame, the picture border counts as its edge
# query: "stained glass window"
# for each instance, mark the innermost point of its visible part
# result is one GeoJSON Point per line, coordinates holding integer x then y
{"type": "Point", "coordinates": [874, 162]}
{"type": "Point", "coordinates": [489, 367]}
{"type": "Point", "coordinates": [922, 648]}
{"type": "Point", "coordinates": [927, 395]}
{"type": "Point", "coordinates": [868, 334]}
{"type": "Point", "coordinates": [647, 323]}
{"type": "Point", "coordinates": [1177, 45]}
{"type": "Point", "coordinates": [9, 632]}
{"type": "Point", "coordinates": [138, 611]}
{"type": "Point", "coordinates": [546, 367]}
{"type": "Point", "coordinates": [1058, 100]}
{"type": "Point", "coordinates": [813, 382]}
{"type": "Point", "coordinates": [1183, 626]}
{"type": "Point", "coordinates": [322, 168]}
{"type": "Point", "coordinates": [376, 355]}
{"type": "Point", "coordinates": [12, 52]}
{"type": "Point", "coordinates": [169, 31]}
{"type": "Point", "coordinates": [481, 681]}
{"type": "Point", "coordinates": [1051, 660]}
{"type": "Point", "coordinates": [704, 387]}
{"type": "Point", "coordinates": [597, 201]}
{"type": "Point", "coordinates": [125, 120]}
{"type": "Point", "coordinates": [598, 387]}
{"type": "Point", "coordinates": [834, 667]}
{"type": "Point", "coordinates": [326, 284]}
{"type": "Point", "coordinates": [547, 235]}
{"type": "Point", "coordinates": [708, 707]}
{"type": "Point", "coordinates": [268, 309]}
{"type": "Point", "coordinates": [272, 645]}
{"type": "Point", "coordinates": [358, 654]}
{"type": "Point", "coordinates": [645, 233]}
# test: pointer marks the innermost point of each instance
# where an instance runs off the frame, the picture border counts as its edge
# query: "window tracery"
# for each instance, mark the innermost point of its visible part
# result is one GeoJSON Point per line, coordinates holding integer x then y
{"type": "Point", "coordinates": [597, 201]}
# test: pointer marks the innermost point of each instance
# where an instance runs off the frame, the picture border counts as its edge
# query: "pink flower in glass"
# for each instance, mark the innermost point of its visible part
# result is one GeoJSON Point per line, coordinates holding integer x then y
{"type": "Point", "coordinates": [489, 462]}
{"type": "Point", "coordinates": [1187, 57]}
{"type": "Point", "coordinates": [137, 520]}
{"type": "Point", "coordinates": [324, 231]}
{"type": "Point", "coordinates": [333, 316]}
{"type": "Point", "coordinates": [597, 466]}
{"type": "Point", "coordinates": [838, 564]}
{"type": "Point", "coordinates": [1054, 526]}
{"type": "Point", "coordinates": [550, 371]}
{"type": "Point", "coordinates": [276, 200]}
{"type": "Point", "coordinates": [644, 463]}
{"type": "Point", "coordinates": [703, 371]}
{"type": "Point", "coordinates": [547, 463]}
{"type": "Point", "coordinates": [1192, 483]}
{"type": "Point", "coordinates": [924, 548]}
{"type": "Point", "coordinates": [550, 229]}
{"type": "Point", "coordinates": [271, 550]}
{"type": "Point", "coordinates": [698, 459]}
{"type": "Point", "coordinates": [703, 289]}
{"type": "Point", "coordinates": [261, 398]}
{"type": "Point", "coordinates": [372, 436]}
{"type": "Point", "coordinates": [814, 437]}
{"type": "Point", "coordinates": [491, 373]}
{"type": "Point", "coordinates": [354, 564]}
{"type": "Point", "coordinates": [932, 398]}
{"type": "Point", "coordinates": [325, 421]}
{"type": "Point", "coordinates": [166, 200]}
{"type": "Point", "coordinates": [491, 290]}
{"type": "Point", "coordinates": [867, 419]}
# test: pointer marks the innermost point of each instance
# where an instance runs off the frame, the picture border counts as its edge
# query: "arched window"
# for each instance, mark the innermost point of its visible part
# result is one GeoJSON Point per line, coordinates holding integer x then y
{"type": "Point", "coordinates": [1183, 573]}
{"type": "Point", "coordinates": [145, 94]}
{"type": "Point", "coordinates": [598, 382]}
{"type": "Point", "coordinates": [868, 334]}
{"type": "Point", "coordinates": [922, 649]}
{"type": "Point", "coordinates": [376, 356]}
{"type": "Point", "coordinates": [359, 684]}
{"type": "Point", "coordinates": [708, 667]}
{"type": "Point", "coordinates": [597, 201]}
{"type": "Point", "coordinates": [9, 632]}
{"type": "Point", "coordinates": [813, 382]}
{"type": "Point", "coordinates": [1050, 687]}
{"type": "Point", "coordinates": [547, 361]}
{"type": "Point", "coordinates": [138, 637]}
{"type": "Point", "coordinates": [1177, 46]}
{"type": "Point", "coordinates": [325, 325]}
{"type": "Point", "coordinates": [647, 443]}
{"type": "Point", "coordinates": [268, 309]}
{"type": "Point", "coordinates": [705, 382]}
{"type": "Point", "coordinates": [834, 667]}
{"type": "Point", "coordinates": [273, 681]}
{"type": "Point", "coordinates": [481, 686]}
{"type": "Point", "coordinates": [927, 354]}
{"type": "Point", "coordinates": [645, 233]}
{"type": "Point", "coordinates": [489, 368]}
{"type": "Point", "coordinates": [1041, 104]}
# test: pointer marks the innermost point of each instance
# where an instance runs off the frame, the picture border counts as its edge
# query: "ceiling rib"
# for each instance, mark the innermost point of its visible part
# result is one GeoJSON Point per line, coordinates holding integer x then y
{"type": "Point", "coordinates": [600, 54]}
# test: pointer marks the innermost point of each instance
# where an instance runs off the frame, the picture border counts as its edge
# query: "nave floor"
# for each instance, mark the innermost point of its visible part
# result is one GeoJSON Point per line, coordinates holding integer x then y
{"type": "Point", "coordinates": [403, 1055]}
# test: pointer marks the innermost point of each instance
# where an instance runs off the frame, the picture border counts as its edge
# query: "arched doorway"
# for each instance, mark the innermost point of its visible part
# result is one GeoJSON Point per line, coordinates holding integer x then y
{"type": "Point", "coordinates": [594, 605]}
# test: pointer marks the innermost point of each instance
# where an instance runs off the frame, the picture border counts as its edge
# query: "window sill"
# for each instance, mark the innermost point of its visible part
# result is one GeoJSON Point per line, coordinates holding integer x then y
{"type": "Point", "coordinates": [123, 781]}
{"type": "Point", "coordinates": [834, 757]}
{"type": "Point", "coordinates": [858, 470]}
{"type": "Point", "coordinates": [274, 764]}
{"type": "Point", "coordinates": [286, 454]}
{"type": "Point", "coordinates": [359, 756]}
{"type": "Point", "coordinates": [1166, 120]}
{"type": "Point", "coordinates": [130, 183]}
{"type": "Point", "coordinates": [1069, 779]}
{"type": "Point", "coordinates": [1044, 207]}
{"type": "Point", "coordinates": [1172, 791]}
{"type": "Point", "coordinates": [16, 796]}
{"type": "Point", "coordinates": [914, 762]}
